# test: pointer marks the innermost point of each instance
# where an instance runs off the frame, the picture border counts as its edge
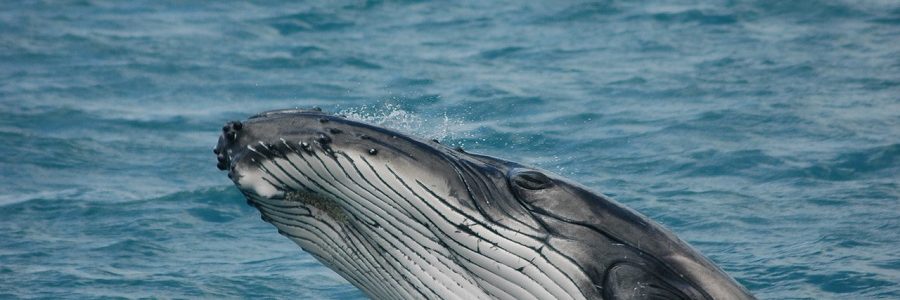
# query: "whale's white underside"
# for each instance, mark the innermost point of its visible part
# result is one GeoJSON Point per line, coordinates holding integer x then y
{"type": "Point", "coordinates": [398, 233]}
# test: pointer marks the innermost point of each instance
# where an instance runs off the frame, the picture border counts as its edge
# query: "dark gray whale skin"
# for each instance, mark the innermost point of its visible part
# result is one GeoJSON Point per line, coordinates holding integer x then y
{"type": "Point", "coordinates": [622, 254]}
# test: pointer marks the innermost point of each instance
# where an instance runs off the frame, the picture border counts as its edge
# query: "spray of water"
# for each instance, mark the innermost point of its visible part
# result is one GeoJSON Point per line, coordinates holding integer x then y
{"type": "Point", "coordinates": [441, 127]}
{"type": "Point", "coordinates": [450, 131]}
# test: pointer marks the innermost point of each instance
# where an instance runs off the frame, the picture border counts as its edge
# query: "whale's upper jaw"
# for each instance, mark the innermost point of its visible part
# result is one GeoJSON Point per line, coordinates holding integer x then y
{"type": "Point", "coordinates": [552, 211]}
{"type": "Point", "coordinates": [233, 133]}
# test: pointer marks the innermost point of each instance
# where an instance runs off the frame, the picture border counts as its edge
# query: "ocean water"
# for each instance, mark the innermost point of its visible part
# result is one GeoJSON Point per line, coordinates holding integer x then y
{"type": "Point", "coordinates": [765, 133]}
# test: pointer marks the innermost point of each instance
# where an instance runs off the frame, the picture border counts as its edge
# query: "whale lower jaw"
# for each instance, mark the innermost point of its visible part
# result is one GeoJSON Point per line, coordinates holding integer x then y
{"type": "Point", "coordinates": [392, 235]}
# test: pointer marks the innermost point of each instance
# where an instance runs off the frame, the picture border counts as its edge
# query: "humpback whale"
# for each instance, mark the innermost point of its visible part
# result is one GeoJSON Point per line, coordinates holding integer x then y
{"type": "Point", "coordinates": [407, 218]}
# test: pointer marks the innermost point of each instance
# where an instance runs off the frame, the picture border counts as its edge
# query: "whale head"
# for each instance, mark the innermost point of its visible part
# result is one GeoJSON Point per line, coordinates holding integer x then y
{"type": "Point", "coordinates": [402, 217]}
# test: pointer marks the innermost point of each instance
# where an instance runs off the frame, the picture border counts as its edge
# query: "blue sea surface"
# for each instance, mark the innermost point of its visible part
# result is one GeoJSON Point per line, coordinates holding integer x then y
{"type": "Point", "coordinates": [765, 133]}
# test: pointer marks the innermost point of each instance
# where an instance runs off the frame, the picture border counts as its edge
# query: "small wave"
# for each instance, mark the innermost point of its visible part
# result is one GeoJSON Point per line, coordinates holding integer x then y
{"type": "Point", "coordinates": [695, 16]}
{"type": "Point", "coordinates": [307, 21]}
{"type": "Point", "coordinates": [583, 12]}
{"type": "Point", "coordinates": [500, 53]}
{"type": "Point", "coordinates": [809, 10]}
{"type": "Point", "coordinates": [6, 200]}
{"type": "Point", "coordinates": [134, 247]}
{"type": "Point", "coordinates": [855, 165]}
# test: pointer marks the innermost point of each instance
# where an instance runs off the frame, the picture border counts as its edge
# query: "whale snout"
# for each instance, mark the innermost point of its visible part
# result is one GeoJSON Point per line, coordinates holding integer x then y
{"type": "Point", "coordinates": [234, 134]}
{"type": "Point", "coordinates": [229, 135]}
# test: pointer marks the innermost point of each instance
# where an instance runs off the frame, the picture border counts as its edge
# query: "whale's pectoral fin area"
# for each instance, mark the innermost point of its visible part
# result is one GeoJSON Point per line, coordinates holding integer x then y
{"type": "Point", "coordinates": [628, 281]}
{"type": "Point", "coordinates": [628, 246]}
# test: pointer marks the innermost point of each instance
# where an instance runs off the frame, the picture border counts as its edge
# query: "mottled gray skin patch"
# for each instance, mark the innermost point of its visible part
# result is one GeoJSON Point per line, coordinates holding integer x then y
{"type": "Point", "coordinates": [326, 205]}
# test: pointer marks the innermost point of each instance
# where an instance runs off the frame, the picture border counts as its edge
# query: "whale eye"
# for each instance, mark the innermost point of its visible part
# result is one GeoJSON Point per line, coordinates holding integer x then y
{"type": "Point", "coordinates": [532, 180]}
